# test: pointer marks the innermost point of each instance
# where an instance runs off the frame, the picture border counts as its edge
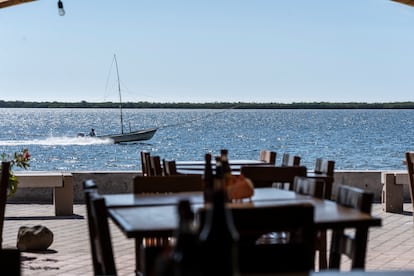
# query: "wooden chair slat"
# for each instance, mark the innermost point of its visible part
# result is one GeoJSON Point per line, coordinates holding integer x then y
{"type": "Point", "coordinates": [266, 176]}
{"type": "Point", "coordinates": [352, 245]}
{"type": "Point", "coordinates": [99, 233]}
{"type": "Point", "coordinates": [268, 156]}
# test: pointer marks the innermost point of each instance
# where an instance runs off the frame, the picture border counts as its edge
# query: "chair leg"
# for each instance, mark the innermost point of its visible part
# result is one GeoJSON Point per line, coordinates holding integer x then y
{"type": "Point", "coordinates": [361, 237]}
{"type": "Point", "coordinates": [335, 253]}
{"type": "Point", "coordinates": [323, 262]}
{"type": "Point", "coordinates": [10, 262]}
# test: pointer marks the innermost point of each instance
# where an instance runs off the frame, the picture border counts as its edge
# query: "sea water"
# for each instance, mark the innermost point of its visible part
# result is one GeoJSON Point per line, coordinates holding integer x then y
{"type": "Point", "coordinates": [355, 139]}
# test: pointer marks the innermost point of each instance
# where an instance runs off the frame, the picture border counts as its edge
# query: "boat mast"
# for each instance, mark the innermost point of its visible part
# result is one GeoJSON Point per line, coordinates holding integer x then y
{"type": "Point", "coordinates": [120, 97]}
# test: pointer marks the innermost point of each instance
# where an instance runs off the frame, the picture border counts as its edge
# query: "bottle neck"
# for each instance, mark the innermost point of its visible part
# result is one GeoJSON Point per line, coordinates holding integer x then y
{"type": "Point", "coordinates": [226, 169]}
{"type": "Point", "coordinates": [208, 172]}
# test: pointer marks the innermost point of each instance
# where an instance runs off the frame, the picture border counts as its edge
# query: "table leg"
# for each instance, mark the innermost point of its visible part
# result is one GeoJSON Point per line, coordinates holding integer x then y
{"type": "Point", "coordinates": [138, 265]}
{"type": "Point", "coordinates": [335, 254]}
{"type": "Point", "coordinates": [360, 244]}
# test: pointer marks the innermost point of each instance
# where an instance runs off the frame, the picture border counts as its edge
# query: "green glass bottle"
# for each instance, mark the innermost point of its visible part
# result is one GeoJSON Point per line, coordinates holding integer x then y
{"type": "Point", "coordinates": [208, 178]}
{"type": "Point", "coordinates": [185, 251]}
{"type": "Point", "coordinates": [219, 239]}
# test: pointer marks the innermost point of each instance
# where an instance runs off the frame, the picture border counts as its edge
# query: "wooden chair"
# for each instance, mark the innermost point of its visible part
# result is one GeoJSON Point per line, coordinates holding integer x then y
{"type": "Point", "coordinates": [266, 176]}
{"type": "Point", "coordinates": [268, 156]}
{"type": "Point", "coordinates": [10, 262]}
{"type": "Point", "coordinates": [409, 158]}
{"type": "Point", "coordinates": [168, 184]}
{"type": "Point", "coordinates": [314, 187]}
{"type": "Point", "coordinates": [155, 168]}
{"type": "Point", "coordinates": [353, 245]}
{"type": "Point", "coordinates": [4, 183]}
{"type": "Point", "coordinates": [99, 234]}
{"type": "Point", "coordinates": [169, 167]}
{"type": "Point", "coordinates": [308, 186]}
{"type": "Point", "coordinates": [290, 160]}
{"type": "Point", "coordinates": [294, 254]}
{"type": "Point", "coordinates": [151, 247]}
{"type": "Point", "coordinates": [324, 170]}
{"type": "Point", "coordinates": [9, 257]}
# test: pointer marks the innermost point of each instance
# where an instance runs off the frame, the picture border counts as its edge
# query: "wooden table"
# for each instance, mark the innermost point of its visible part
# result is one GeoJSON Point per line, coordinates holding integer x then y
{"type": "Point", "coordinates": [346, 273]}
{"type": "Point", "coordinates": [131, 200]}
{"type": "Point", "coordinates": [198, 165]}
{"type": "Point", "coordinates": [140, 216]}
{"type": "Point", "coordinates": [363, 273]}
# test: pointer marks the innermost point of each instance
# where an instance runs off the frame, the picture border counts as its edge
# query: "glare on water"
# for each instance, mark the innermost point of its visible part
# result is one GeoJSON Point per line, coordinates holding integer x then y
{"type": "Point", "coordinates": [355, 139]}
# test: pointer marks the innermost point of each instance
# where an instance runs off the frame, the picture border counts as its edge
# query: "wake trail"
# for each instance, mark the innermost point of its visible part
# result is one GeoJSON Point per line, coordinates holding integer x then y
{"type": "Point", "coordinates": [57, 141]}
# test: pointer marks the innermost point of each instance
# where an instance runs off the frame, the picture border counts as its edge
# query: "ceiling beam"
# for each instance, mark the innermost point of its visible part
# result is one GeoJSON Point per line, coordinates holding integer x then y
{"type": "Point", "coordinates": [8, 3]}
{"type": "Point", "coordinates": [407, 2]}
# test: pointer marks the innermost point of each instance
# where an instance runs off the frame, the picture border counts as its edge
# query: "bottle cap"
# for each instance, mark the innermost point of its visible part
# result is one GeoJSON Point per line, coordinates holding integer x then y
{"type": "Point", "coordinates": [208, 156]}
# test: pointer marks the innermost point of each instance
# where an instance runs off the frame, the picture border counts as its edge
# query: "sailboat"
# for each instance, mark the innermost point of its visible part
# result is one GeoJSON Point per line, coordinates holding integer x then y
{"type": "Point", "coordinates": [132, 136]}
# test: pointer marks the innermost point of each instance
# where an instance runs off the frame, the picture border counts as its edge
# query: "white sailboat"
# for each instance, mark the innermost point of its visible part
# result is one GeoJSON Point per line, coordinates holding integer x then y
{"type": "Point", "coordinates": [132, 136]}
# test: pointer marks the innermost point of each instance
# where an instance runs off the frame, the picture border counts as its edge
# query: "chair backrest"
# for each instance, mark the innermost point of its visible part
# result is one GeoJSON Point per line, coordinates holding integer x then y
{"type": "Point", "coordinates": [324, 166]}
{"type": "Point", "coordinates": [308, 186]}
{"type": "Point", "coordinates": [155, 168]}
{"type": "Point", "coordinates": [268, 156]}
{"type": "Point", "coordinates": [314, 187]}
{"type": "Point", "coordinates": [169, 167]}
{"type": "Point", "coordinates": [409, 158]}
{"type": "Point", "coordinates": [354, 198]}
{"type": "Point", "coordinates": [290, 160]}
{"type": "Point", "coordinates": [168, 184]}
{"type": "Point", "coordinates": [265, 176]}
{"type": "Point", "coordinates": [294, 254]}
{"type": "Point", "coordinates": [99, 233]}
{"type": "Point", "coordinates": [4, 183]}
{"type": "Point", "coordinates": [353, 245]}
{"type": "Point", "coordinates": [145, 162]}
{"type": "Point", "coordinates": [324, 170]}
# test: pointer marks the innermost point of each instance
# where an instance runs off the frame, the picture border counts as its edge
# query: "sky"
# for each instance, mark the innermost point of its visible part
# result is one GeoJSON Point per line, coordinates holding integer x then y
{"type": "Point", "coordinates": [208, 51]}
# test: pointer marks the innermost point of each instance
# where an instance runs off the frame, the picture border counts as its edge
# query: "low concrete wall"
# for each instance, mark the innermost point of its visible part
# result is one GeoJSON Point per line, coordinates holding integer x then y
{"type": "Point", "coordinates": [107, 182]}
{"type": "Point", "coordinates": [121, 182]}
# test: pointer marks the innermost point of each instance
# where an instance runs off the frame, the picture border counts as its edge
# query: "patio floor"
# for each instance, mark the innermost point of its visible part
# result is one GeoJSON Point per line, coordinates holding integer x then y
{"type": "Point", "coordinates": [390, 247]}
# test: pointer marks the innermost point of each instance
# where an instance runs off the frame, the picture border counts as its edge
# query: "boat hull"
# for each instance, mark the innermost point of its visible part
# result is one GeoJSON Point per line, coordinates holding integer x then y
{"type": "Point", "coordinates": [139, 135]}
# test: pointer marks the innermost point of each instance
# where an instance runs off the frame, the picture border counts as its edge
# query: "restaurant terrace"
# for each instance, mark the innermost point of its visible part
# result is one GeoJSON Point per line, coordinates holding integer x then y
{"type": "Point", "coordinates": [77, 209]}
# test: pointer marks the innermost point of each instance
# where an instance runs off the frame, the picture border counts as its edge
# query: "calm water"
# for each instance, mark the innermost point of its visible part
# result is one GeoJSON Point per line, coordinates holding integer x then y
{"type": "Point", "coordinates": [355, 139]}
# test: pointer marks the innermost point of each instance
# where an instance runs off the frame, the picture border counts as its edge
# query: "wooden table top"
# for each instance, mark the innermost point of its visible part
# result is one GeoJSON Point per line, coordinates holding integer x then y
{"type": "Point", "coordinates": [198, 165]}
{"type": "Point", "coordinates": [231, 162]}
{"type": "Point", "coordinates": [130, 199]}
{"type": "Point", "coordinates": [153, 219]}
{"type": "Point", "coordinates": [346, 273]}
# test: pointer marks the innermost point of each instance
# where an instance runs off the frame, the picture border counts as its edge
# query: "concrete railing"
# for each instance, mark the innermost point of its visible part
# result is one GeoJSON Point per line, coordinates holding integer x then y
{"type": "Point", "coordinates": [121, 182]}
{"type": "Point", "coordinates": [60, 183]}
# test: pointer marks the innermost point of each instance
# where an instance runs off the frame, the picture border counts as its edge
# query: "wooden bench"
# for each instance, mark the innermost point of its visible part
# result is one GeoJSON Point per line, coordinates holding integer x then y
{"type": "Point", "coordinates": [392, 197]}
{"type": "Point", "coordinates": [62, 185]}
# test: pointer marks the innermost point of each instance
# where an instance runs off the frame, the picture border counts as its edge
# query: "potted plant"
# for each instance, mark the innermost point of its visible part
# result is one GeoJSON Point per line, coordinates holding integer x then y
{"type": "Point", "coordinates": [20, 159]}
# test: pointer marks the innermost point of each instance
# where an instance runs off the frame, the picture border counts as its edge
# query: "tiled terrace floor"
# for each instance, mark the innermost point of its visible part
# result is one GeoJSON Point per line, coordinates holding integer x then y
{"type": "Point", "coordinates": [390, 247]}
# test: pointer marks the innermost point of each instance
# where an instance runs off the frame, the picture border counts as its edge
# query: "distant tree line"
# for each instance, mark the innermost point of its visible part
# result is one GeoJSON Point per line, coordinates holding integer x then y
{"type": "Point", "coordinates": [211, 105]}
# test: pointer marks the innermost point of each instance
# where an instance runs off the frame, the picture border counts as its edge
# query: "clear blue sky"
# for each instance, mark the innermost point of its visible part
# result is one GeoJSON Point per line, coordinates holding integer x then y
{"type": "Point", "coordinates": [208, 51]}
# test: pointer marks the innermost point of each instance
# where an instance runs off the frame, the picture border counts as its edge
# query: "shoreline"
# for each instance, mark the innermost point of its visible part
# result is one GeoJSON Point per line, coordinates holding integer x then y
{"type": "Point", "coordinates": [210, 105]}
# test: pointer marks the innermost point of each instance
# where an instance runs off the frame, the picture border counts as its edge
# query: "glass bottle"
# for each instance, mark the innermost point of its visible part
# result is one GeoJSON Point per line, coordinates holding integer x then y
{"type": "Point", "coordinates": [219, 239]}
{"type": "Point", "coordinates": [184, 255]}
{"type": "Point", "coordinates": [218, 182]}
{"type": "Point", "coordinates": [208, 178]}
{"type": "Point", "coordinates": [226, 167]}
